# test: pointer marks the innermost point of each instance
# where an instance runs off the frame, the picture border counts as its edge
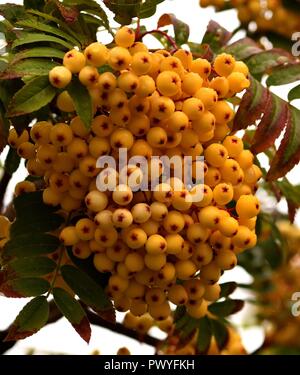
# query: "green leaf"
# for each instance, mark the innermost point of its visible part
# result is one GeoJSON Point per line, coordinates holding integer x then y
{"type": "Point", "coordinates": [294, 93]}
{"type": "Point", "coordinates": [28, 68]}
{"type": "Point", "coordinates": [264, 61]}
{"type": "Point", "coordinates": [90, 6]}
{"type": "Point", "coordinates": [227, 307]}
{"type": "Point", "coordinates": [28, 38]}
{"type": "Point", "coordinates": [29, 286]}
{"type": "Point", "coordinates": [12, 12]}
{"type": "Point", "coordinates": [204, 335]}
{"type": "Point", "coordinates": [86, 288]}
{"type": "Point", "coordinates": [34, 24]}
{"type": "Point", "coordinates": [288, 154]}
{"type": "Point", "coordinates": [12, 161]}
{"type": "Point", "coordinates": [39, 52]}
{"type": "Point", "coordinates": [148, 8]}
{"type": "Point", "coordinates": [283, 75]}
{"type": "Point", "coordinates": [30, 244]}
{"type": "Point", "coordinates": [33, 96]}
{"type": "Point", "coordinates": [30, 267]}
{"type": "Point", "coordinates": [216, 36]}
{"type": "Point", "coordinates": [73, 311]}
{"type": "Point", "coordinates": [273, 252]}
{"type": "Point", "coordinates": [220, 333]}
{"type": "Point", "coordinates": [82, 101]}
{"type": "Point", "coordinates": [227, 288]}
{"type": "Point", "coordinates": [30, 320]}
{"type": "Point", "coordinates": [181, 29]}
{"type": "Point", "coordinates": [243, 48]}
{"type": "Point", "coordinates": [202, 50]}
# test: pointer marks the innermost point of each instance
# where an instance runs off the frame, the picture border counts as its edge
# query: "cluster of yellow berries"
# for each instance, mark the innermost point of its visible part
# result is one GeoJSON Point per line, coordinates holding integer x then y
{"type": "Point", "coordinates": [269, 15]}
{"type": "Point", "coordinates": [159, 246]}
{"type": "Point", "coordinates": [234, 345]}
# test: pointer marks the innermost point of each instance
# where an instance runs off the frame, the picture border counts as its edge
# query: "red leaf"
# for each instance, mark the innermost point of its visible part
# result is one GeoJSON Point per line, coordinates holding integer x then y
{"type": "Point", "coordinates": [288, 154]}
{"type": "Point", "coordinates": [273, 122]}
{"type": "Point", "coordinates": [108, 315]}
{"type": "Point", "coordinates": [251, 107]}
{"type": "Point", "coordinates": [14, 334]}
{"type": "Point", "coordinates": [7, 291]}
{"type": "Point", "coordinates": [83, 329]}
{"type": "Point", "coordinates": [292, 208]}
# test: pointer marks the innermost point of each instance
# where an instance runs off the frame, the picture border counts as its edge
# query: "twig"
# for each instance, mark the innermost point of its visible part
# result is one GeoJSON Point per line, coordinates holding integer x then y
{"type": "Point", "coordinates": [163, 33]}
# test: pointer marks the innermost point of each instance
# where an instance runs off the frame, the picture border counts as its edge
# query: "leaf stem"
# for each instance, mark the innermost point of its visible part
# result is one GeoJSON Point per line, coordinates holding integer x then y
{"type": "Point", "coordinates": [61, 252]}
{"type": "Point", "coordinates": [163, 33]}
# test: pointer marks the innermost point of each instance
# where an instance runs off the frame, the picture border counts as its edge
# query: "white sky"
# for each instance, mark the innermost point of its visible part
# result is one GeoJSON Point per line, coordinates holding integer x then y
{"type": "Point", "coordinates": [60, 337]}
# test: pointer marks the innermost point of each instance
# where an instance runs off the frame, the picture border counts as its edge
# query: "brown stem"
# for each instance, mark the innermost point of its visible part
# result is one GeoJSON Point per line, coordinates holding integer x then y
{"type": "Point", "coordinates": [163, 33]}
{"type": "Point", "coordinates": [138, 29]}
{"type": "Point", "coordinates": [3, 187]}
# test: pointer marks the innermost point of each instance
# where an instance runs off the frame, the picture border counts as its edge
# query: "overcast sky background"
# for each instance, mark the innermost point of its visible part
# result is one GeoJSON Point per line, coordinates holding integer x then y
{"type": "Point", "coordinates": [60, 337]}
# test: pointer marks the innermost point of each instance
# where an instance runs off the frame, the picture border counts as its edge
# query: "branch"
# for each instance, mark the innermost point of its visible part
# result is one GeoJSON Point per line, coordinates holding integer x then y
{"type": "Point", "coordinates": [121, 329]}
{"type": "Point", "coordinates": [3, 187]}
{"type": "Point", "coordinates": [169, 39]}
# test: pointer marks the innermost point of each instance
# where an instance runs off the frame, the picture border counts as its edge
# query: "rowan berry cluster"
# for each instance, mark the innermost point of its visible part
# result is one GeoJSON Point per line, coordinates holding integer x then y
{"type": "Point", "coordinates": [269, 15]}
{"type": "Point", "coordinates": [159, 246]}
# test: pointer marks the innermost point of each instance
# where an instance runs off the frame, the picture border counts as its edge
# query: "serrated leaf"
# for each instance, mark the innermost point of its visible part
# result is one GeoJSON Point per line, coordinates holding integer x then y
{"type": "Point", "coordinates": [284, 74]}
{"type": "Point", "coordinates": [38, 52]}
{"type": "Point", "coordinates": [181, 29]}
{"type": "Point", "coordinates": [288, 154]}
{"type": "Point", "coordinates": [30, 267]}
{"type": "Point", "coordinates": [227, 288]}
{"type": "Point", "coordinates": [82, 101]}
{"type": "Point", "coordinates": [24, 287]}
{"type": "Point", "coordinates": [86, 288]}
{"type": "Point", "coordinates": [204, 335]}
{"type": "Point", "coordinates": [294, 93]}
{"type": "Point", "coordinates": [12, 161]}
{"type": "Point", "coordinates": [262, 62]}
{"type": "Point", "coordinates": [74, 312]}
{"type": "Point", "coordinates": [220, 333]}
{"type": "Point", "coordinates": [251, 107]}
{"type": "Point", "coordinates": [28, 68]}
{"type": "Point", "coordinates": [34, 24]}
{"type": "Point", "coordinates": [33, 96]}
{"type": "Point", "coordinates": [30, 244]}
{"type": "Point", "coordinates": [29, 38]}
{"type": "Point", "coordinates": [216, 36]}
{"type": "Point", "coordinates": [272, 123]}
{"type": "Point", "coordinates": [227, 307]}
{"type": "Point", "coordinates": [30, 320]}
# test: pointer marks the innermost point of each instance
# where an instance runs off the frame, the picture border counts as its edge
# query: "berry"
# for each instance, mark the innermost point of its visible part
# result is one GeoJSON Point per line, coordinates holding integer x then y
{"type": "Point", "coordinates": [96, 54]}
{"type": "Point", "coordinates": [224, 64]}
{"type": "Point", "coordinates": [60, 77]}
{"type": "Point", "coordinates": [247, 206]}
{"type": "Point", "coordinates": [125, 37]}
{"type": "Point", "coordinates": [74, 61]}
